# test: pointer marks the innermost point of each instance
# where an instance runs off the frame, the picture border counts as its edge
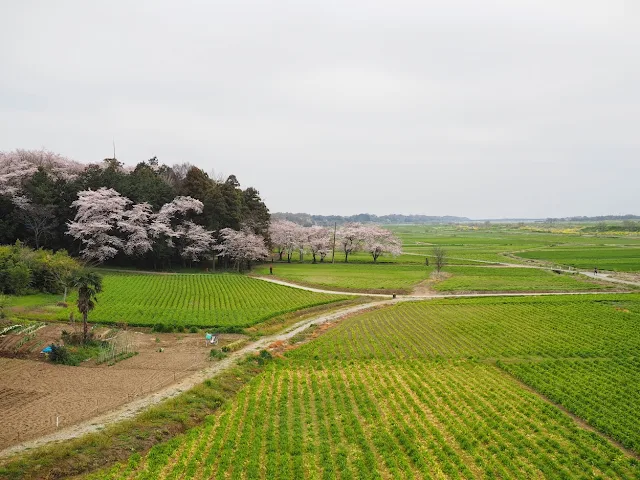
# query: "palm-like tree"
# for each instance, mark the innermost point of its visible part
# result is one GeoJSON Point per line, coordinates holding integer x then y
{"type": "Point", "coordinates": [89, 284]}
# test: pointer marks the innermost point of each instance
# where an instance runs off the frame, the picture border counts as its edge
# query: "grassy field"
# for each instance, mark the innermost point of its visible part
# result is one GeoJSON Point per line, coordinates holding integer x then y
{"type": "Point", "coordinates": [467, 245]}
{"type": "Point", "coordinates": [398, 278]}
{"type": "Point", "coordinates": [621, 258]}
{"type": "Point", "coordinates": [413, 391]}
{"type": "Point", "coordinates": [505, 279]}
{"type": "Point", "coordinates": [226, 301]}
{"type": "Point", "coordinates": [380, 277]}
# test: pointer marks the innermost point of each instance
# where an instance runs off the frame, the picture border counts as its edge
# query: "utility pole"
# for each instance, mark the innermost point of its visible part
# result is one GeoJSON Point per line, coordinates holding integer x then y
{"type": "Point", "coordinates": [333, 255]}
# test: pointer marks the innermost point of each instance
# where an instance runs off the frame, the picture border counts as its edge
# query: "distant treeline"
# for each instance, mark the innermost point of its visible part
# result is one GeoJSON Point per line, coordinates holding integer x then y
{"type": "Point", "coordinates": [37, 189]}
{"type": "Point", "coordinates": [308, 220]}
{"type": "Point", "coordinates": [601, 218]}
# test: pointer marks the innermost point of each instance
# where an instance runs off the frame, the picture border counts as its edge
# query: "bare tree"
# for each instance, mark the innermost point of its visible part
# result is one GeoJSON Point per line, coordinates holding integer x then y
{"type": "Point", "coordinates": [39, 219]}
{"type": "Point", "coordinates": [440, 257]}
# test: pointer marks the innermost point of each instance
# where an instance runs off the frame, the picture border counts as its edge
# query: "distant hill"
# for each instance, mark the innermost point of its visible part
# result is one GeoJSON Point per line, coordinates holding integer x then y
{"type": "Point", "coordinates": [325, 220]}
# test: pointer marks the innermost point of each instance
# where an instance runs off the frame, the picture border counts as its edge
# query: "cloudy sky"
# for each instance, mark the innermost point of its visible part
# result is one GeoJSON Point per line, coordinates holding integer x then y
{"type": "Point", "coordinates": [499, 108]}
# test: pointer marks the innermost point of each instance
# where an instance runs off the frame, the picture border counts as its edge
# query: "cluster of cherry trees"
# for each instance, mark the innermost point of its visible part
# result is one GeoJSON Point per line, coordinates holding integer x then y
{"type": "Point", "coordinates": [151, 221]}
{"type": "Point", "coordinates": [107, 223]}
{"type": "Point", "coordinates": [289, 237]}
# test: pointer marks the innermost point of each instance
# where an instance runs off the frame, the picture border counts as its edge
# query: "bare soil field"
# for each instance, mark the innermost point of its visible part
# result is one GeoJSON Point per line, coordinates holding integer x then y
{"type": "Point", "coordinates": [35, 394]}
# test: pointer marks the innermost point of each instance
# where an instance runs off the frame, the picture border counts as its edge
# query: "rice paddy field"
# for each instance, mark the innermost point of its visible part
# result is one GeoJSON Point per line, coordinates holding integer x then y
{"type": "Point", "coordinates": [432, 389]}
{"type": "Point", "coordinates": [226, 301]}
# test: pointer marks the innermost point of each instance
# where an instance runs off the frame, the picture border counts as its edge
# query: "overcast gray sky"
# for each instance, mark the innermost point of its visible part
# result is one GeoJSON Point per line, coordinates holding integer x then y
{"type": "Point", "coordinates": [497, 108]}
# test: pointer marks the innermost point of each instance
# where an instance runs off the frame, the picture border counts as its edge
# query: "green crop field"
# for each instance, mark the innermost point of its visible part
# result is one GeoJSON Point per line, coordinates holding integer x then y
{"type": "Point", "coordinates": [211, 300]}
{"type": "Point", "coordinates": [383, 420]}
{"type": "Point", "coordinates": [380, 277]}
{"type": "Point", "coordinates": [414, 391]}
{"type": "Point", "coordinates": [217, 300]}
{"type": "Point", "coordinates": [594, 326]}
{"type": "Point", "coordinates": [505, 279]}
{"type": "Point", "coordinates": [605, 392]}
{"type": "Point", "coordinates": [621, 258]}
{"type": "Point", "coordinates": [466, 245]}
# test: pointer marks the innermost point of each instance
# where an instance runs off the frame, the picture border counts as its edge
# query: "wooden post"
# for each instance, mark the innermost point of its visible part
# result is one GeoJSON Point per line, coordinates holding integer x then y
{"type": "Point", "coordinates": [333, 254]}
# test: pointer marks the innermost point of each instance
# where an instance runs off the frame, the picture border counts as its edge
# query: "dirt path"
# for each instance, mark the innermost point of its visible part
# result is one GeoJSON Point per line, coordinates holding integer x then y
{"type": "Point", "coordinates": [608, 278]}
{"type": "Point", "coordinates": [133, 408]}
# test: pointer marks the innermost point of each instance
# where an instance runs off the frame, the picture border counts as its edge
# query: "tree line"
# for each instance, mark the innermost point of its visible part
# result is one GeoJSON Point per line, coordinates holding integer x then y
{"type": "Point", "coordinates": [288, 237]}
{"type": "Point", "coordinates": [104, 211]}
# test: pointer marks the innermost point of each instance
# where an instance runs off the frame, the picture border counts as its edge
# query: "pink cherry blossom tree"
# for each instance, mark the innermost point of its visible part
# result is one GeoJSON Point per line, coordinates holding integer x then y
{"type": "Point", "coordinates": [198, 242]}
{"type": "Point", "coordinates": [135, 224]}
{"type": "Point", "coordinates": [350, 237]}
{"type": "Point", "coordinates": [172, 224]}
{"type": "Point", "coordinates": [165, 223]}
{"type": "Point", "coordinates": [241, 246]}
{"type": "Point", "coordinates": [19, 165]}
{"type": "Point", "coordinates": [282, 233]}
{"type": "Point", "coordinates": [319, 242]}
{"type": "Point", "coordinates": [96, 222]}
{"type": "Point", "coordinates": [379, 241]}
{"type": "Point", "coordinates": [287, 237]}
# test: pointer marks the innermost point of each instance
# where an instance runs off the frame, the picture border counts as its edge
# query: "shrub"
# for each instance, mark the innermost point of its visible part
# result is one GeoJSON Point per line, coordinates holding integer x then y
{"type": "Point", "coordinates": [193, 330]}
{"type": "Point", "coordinates": [42, 270]}
{"type": "Point", "coordinates": [60, 354]}
{"type": "Point", "coordinates": [216, 354]}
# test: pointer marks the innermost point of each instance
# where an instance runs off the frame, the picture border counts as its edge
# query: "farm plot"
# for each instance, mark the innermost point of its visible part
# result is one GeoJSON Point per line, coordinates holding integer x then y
{"type": "Point", "coordinates": [33, 393]}
{"type": "Point", "coordinates": [620, 258]}
{"type": "Point", "coordinates": [223, 301]}
{"type": "Point", "coordinates": [359, 277]}
{"type": "Point", "coordinates": [557, 327]}
{"type": "Point", "coordinates": [505, 279]}
{"type": "Point", "coordinates": [383, 420]}
{"type": "Point", "coordinates": [605, 392]}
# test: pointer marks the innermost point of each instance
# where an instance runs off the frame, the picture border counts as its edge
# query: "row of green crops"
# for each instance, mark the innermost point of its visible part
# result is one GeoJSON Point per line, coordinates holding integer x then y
{"type": "Point", "coordinates": [212, 300]}
{"type": "Point", "coordinates": [604, 392]}
{"type": "Point", "coordinates": [382, 419]}
{"type": "Point", "coordinates": [558, 327]}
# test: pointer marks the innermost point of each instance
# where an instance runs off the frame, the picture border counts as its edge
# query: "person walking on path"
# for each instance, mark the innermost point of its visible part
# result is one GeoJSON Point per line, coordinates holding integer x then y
{"type": "Point", "coordinates": [595, 271]}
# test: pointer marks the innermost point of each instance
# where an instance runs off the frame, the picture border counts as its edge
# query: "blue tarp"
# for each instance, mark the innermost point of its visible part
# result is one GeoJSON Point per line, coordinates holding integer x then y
{"type": "Point", "coordinates": [46, 349]}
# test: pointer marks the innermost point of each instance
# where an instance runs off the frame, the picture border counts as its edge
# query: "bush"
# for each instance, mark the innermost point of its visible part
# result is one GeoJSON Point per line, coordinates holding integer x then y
{"type": "Point", "coordinates": [216, 354]}
{"type": "Point", "coordinates": [59, 354]}
{"type": "Point", "coordinates": [193, 330]}
{"type": "Point", "coordinates": [22, 268]}
{"type": "Point", "coordinates": [18, 278]}
{"type": "Point", "coordinates": [263, 357]}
